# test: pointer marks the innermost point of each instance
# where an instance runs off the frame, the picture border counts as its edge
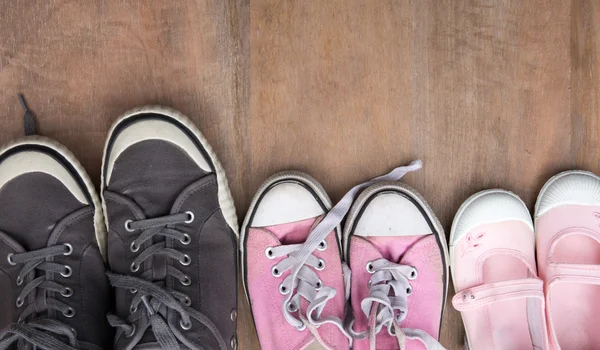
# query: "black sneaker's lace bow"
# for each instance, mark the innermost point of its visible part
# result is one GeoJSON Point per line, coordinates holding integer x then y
{"type": "Point", "coordinates": [155, 297]}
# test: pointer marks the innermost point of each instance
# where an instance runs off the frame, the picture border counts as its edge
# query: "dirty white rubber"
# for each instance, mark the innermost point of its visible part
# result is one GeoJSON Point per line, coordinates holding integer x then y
{"type": "Point", "coordinates": [295, 176]}
{"type": "Point", "coordinates": [99, 227]}
{"type": "Point", "coordinates": [225, 198]}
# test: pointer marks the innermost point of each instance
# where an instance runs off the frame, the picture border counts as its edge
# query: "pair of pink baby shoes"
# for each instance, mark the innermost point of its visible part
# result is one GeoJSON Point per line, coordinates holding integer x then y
{"type": "Point", "coordinates": [302, 293]}
{"type": "Point", "coordinates": [493, 244]}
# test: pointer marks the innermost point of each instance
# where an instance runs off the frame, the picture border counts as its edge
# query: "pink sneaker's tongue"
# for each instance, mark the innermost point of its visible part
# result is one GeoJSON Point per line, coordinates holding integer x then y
{"type": "Point", "coordinates": [293, 232]}
{"type": "Point", "coordinates": [393, 248]}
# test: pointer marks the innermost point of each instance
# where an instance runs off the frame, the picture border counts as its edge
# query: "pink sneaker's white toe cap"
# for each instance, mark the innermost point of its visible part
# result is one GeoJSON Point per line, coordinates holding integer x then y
{"type": "Point", "coordinates": [488, 207]}
{"type": "Point", "coordinates": [285, 202]}
{"type": "Point", "coordinates": [568, 188]}
{"type": "Point", "coordinates": [391, 214]}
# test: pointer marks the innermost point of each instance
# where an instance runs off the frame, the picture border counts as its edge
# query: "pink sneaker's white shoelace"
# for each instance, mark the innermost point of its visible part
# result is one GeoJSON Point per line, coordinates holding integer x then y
{"type": "Point", "coordinates": [303, 281]}
{"type": "Point", "coordinates": [387, 277]}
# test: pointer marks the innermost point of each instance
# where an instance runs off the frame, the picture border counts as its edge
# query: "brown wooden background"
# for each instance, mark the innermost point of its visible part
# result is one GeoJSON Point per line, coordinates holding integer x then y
{"type": "Point", "coordinates": [487, 93]}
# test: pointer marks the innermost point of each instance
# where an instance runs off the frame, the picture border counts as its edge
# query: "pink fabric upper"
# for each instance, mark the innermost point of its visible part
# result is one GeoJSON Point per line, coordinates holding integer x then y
{"type": "Point", "coordinates": [497, 289]}
{"type": "Point", "coordinates": [266, 300]}
{"type": "Point", "coordinates": [426, 300]}
{"type": "Point", "coordinates": [568, 248]}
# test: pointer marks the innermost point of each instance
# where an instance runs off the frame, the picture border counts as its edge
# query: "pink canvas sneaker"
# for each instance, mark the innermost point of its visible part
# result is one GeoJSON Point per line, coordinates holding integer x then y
{"type": "Point", "coordinates": [292, 265]}
{"type": "Point", "coordinates": [567, 228]}
{"type": "Point", "coordinates": [493, 268]}
{"type": "Point", "coordinates": [284, 211]}
{"type": "Point", "coordinates": [397, 252]}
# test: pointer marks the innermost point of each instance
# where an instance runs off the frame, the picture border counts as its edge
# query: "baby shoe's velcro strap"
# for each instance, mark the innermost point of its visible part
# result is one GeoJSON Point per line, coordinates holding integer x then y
{"type": "Point", "coordinates": [574, 273]}
{"type": "Point", "coordinates": [486, 294]}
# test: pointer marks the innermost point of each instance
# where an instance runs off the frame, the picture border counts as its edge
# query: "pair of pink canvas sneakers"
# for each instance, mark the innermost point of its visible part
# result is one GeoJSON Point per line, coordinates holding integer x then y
{"type": "Point", "coordinates": [493, 244]}
{"type": "Point", "coordinates": [380, 283]}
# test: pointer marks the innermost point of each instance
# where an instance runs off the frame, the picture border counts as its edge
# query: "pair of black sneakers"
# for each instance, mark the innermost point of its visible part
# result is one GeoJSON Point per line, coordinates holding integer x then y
{"type": "Point", "coordinates": [150, 264]}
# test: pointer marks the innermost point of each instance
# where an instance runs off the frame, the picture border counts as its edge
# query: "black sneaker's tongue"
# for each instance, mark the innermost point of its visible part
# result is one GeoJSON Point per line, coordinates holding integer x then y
{"type": "Point", "coordinates": [31, 205]}
{"type": "Point", "coordinates": [153, 173]}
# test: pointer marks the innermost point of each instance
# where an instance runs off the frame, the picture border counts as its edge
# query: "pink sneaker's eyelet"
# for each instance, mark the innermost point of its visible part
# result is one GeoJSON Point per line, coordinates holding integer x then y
{"type": "Point", "coordinates": [322, 246]}
{"type": "Point", "coordinates": [321, 265]}
{"type": "Point", "coordinates": [301, 328]}
{"type": "Point", "coordinates": [283, 289]}
{"type": "Point", "coordinates": [292, 307]}
{"type": "Point", "coordinates": [472, 296]}
{"type": "Point", "coordinates": [318, 285]}
{"type": "Point", "coordinates": [409, 290]}
{"type": "Point", "coordinates": [269, 253]}
{"type": "Point", "coordinates": [370, 268]}
{"type": "Point", "coordinates": [413, 274]}
{"type": "Point", "coordinates": [275, 271]}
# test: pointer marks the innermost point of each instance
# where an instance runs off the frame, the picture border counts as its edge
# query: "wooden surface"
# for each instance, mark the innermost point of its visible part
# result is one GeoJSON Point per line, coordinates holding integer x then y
{"type": "Point", "coordinates": [486, 93]}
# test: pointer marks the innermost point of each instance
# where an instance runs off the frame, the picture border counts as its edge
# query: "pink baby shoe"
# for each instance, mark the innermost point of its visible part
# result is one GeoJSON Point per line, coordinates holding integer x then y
{"type": "Point", "coordinates": [567, 231]}
{"type": "Point", "coordinates": [492, 256]}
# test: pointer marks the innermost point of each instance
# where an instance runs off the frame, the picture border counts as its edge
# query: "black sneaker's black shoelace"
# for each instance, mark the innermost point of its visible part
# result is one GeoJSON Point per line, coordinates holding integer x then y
{"type": "Point", "coordinates": [155, 297]}
{"type": "Point", "coordinates": [41, 332]}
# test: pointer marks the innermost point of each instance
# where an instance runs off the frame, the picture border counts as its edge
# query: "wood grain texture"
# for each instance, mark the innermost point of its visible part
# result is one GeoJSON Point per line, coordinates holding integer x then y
{"type": "Point", "coordinates": [487, 93]}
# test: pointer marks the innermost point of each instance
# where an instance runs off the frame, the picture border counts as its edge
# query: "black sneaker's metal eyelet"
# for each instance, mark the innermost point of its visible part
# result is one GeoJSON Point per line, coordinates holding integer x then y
{"type": "Point", "coordinates": [69, 249]}
{"type": "Point", "coordinates": [128, 226]}
{"type": "Point", "coordinates": [322, 246]}
{"type": "Point", "coordinates": [134, 267]}
{"type": "Point", "coordinates": [187, 301]}
{"type": "Point", "coordinates": [133, 291]}
{"type": "Point", "coordinates": [233, 315]}
{"type": "Point", "coordinates": [321, 265]}
{"type": "Point", "coordinates": [67, 293]}
{"type": "Point", "coordinates": [275, 271]}
{"type": "Point", "coordinates": [134, 247]}
{"type": "Point", "coordinates": [130, 334]}
{"type": "Point", "coordinates": [186, 239]}
{"type": "Point", "coordinates": [67, 272]}
{"type": "Point", "coordinates": [185, 326]}
{"type": "Point", "coordinates": [370, 268]}
{"type": "Point", "coordinates": [269, 253]}
{"type": "Point", "coordinates": [19, 280]}
{"type": "Point", "coordinates": [190, 217]}
{"type": "Point", "coordinates": [233, 343]}
{"type": "Point", "coordinates": [186, 281]}
{"type": "Point", "coordinates": [186, 260]}
{"type": "Point", "coordinates": [10, 260]}
{"type": "Point", "coordinates": [69, 312]}
{"type": "Point", "coordinates": [19, 302]}
{"type": "Point", "coordinates": [133, 308]}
